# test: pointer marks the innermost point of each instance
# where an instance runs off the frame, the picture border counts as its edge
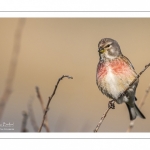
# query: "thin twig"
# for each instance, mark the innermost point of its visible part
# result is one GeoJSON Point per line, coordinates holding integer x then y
{"type": "Point", "coordinates": [131, 125]}
{"type": "Point", "coordinates": [32, 117]}
{"type": "Point", "coordinates": [145, 96]}
{"type": "Point", "coordinates": [24, 122]}
{"type": "Point", "coordinates": [43, 108]}
{"type": "Point", "coordinates": [50, 98]}
{"type": "Point", "coordinates": [12, 68]}
{"type": "Point", "coordinates": [103, 117]}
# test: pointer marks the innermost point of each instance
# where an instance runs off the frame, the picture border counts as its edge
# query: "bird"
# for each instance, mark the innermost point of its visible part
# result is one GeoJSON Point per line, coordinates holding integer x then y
{"type": "Point", "coordinates": [114, 74]}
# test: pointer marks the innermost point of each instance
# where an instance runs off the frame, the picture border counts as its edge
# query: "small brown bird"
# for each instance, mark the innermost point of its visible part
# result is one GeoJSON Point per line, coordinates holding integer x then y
{"type": "Point", "coordinates": [114, 74]}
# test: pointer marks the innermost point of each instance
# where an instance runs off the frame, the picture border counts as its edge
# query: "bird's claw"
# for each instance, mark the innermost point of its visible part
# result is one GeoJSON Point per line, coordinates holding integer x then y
{"type": "Point", "coordinates": [111, 104]}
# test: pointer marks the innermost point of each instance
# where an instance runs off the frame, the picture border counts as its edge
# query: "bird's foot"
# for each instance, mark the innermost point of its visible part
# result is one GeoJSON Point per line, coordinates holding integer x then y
{"type": "Point", "coordinates": [111, 104]}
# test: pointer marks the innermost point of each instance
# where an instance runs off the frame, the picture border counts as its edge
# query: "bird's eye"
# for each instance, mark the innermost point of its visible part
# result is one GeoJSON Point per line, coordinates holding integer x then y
{"type": "Point", "coordinates": [107, 46]}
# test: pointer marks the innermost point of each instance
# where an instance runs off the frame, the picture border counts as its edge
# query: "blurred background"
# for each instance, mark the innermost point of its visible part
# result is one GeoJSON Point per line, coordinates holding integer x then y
{"type": "Point", "coordinates": [52, 47]}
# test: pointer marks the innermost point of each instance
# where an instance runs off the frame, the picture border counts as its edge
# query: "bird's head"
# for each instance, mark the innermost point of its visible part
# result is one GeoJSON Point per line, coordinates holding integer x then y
{"type": "Point", "coordinates": [108, 49]}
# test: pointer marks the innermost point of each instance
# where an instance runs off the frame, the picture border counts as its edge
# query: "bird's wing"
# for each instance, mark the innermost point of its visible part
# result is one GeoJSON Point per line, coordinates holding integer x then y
{"type": "Point", "coordinates": [127, 61]}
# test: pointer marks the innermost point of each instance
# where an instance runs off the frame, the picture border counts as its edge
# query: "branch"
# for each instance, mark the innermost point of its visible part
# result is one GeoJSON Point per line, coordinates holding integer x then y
{"type": "Point", "coordinates": [43, 108]}
{"type": "Point", "coordinates": [104, 116]}
{"type": "Point", "coordinates": [12, 68]}
{"type": "Point", "coordinates": [50, 98]}
{"type": "Point", "coordinates": [138, 76]}
{"type": "Point", "coordinates": [131, 125]}
{"type": "Point", "coordinates": [32, 118]}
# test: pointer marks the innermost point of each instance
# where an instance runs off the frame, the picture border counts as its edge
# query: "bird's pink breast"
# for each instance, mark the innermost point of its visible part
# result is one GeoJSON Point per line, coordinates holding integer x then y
{"type": "Point", "coordinates": [118, 67]}
{"type": "Point", "coordinates": [114, 77]}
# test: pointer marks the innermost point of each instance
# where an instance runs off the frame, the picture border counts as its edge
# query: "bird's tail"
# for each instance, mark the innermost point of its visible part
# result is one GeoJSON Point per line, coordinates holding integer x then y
{"type": "Point", "coordinates": [134, 111]}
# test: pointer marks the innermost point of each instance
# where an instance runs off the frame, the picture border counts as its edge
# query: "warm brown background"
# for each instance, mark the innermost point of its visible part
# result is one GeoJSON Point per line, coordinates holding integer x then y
{"type": "Point", "coordinates": [53, 47]}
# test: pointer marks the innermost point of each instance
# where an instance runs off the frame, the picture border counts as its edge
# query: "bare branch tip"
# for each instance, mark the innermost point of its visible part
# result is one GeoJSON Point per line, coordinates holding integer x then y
{"type": "Point", "coordinates": [147, 65]}
{"type": "Point", "coordinates": [69, 77]}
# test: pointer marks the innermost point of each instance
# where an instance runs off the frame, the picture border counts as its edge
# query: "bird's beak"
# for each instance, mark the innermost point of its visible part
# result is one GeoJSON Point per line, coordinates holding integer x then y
{"type": "Point", "coordinates": [101, 50]}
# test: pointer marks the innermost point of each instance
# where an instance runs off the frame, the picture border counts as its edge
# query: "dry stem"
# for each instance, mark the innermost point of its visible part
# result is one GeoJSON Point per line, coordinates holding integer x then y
{"type": "Point", "coordinates": [104, 115]}
{"type": "Point", "coordinates": [50, 98]}
{"type": "Point", "coordinates": [24, 121]}
{"type": "Point", "coordinates": [12, 68]}
{"type": "Point", "coordinates": [32, 118]}
{"type": "Point", "coordinates": [43, 108]}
